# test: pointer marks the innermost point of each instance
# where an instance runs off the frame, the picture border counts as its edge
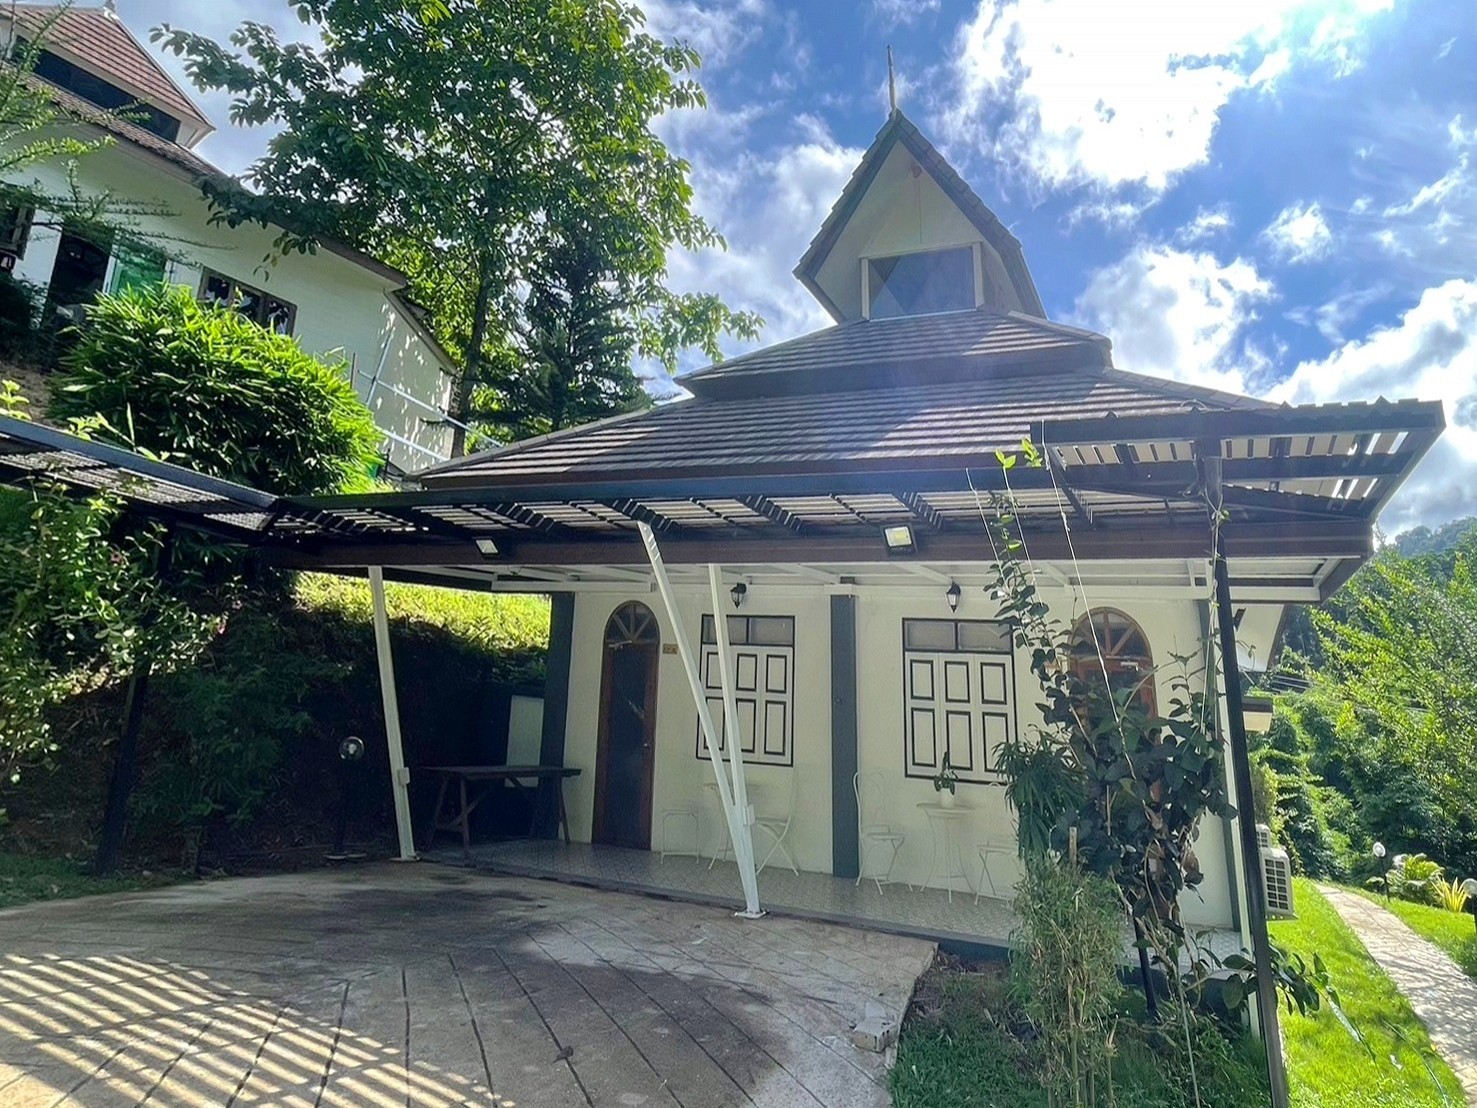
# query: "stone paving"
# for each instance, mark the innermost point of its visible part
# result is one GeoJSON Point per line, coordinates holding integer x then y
{"type": "Point", "coordinates": [425, 985]}
{"type": "Point", "coordinates": [1442, 995]}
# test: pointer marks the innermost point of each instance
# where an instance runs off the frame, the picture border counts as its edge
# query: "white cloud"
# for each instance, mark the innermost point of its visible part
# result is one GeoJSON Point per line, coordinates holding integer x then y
{"type": "Point", "coordinates": [1433, 232]}
{"type": "Point", "coordinates": [767, 206]}
{"type": "Point", "coordinates": [1179, 314]}
{"type": "Point", "coordinates": [893, 13]}
{"type": "Point", "coordinates": [1430, 354]}
{"type": "Point", "coordinates": [717, 31]}
{"type": "Point", "coordinates": [1206, 224]}
{"type": "Point", "coordinates": [1112, 214]}
{"type": "Point", "coordinates": [1085, 92]}
{"type": "Point", "coordinates": [1299, 234]}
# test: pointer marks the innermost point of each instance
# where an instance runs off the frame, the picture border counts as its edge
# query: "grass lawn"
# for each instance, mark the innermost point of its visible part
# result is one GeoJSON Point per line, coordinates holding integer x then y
{"type": "Point", "coordinates": [1326, 1067]}
{"type": "Point", "coordinates": [960, 1048]}
{"type": "Point", "coordinates": [1453, 932]}
{"type": "Point", "coordinates": [24, 878]}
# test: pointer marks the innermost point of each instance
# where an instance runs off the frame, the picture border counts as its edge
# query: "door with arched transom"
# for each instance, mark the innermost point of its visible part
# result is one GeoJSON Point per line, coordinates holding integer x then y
{"type": "Point", "coordinates": [626, 751]}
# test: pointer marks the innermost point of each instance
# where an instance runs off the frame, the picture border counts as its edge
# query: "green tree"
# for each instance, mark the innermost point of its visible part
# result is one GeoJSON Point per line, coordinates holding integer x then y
{"type": "Point", "coordinates": [1403, 660]}
{"type": "Point", "coordinates": [213, 391]}
{"type": "Point", "coordinates": [471, 143]}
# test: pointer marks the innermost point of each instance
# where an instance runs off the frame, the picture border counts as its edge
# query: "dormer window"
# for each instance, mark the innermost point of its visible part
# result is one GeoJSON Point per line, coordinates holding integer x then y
{"type": "Point", "coordinates": [924, 283]}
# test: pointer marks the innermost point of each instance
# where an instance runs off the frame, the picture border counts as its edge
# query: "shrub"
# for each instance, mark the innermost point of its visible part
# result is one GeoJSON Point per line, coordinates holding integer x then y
{"type": "Point", "coordinates": [18, 300]}
{"type": "Point", "coordinates": [211, 390]}
{"type": "Point", "coordinates": [1064, 974]}
{"type": "Point", "coordinates": [1412, 877]}
{"type": "Point", "coordinates": [1451, 895]}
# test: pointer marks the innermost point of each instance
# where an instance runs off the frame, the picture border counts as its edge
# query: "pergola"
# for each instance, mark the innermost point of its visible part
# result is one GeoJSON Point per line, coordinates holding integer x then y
{"type": "Point", "coordinates": [1264, 505]}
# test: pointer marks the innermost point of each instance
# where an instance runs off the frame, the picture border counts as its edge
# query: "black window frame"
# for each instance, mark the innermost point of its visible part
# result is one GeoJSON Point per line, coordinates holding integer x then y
{"type": "Point", "coordinates": [258, 316]}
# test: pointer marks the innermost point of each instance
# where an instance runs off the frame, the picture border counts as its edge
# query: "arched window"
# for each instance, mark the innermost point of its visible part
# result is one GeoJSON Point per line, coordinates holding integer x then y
{"type": "Point", "coordinates": [1106, 639]}
{"type": "Point", "coordinates": [631, 624]}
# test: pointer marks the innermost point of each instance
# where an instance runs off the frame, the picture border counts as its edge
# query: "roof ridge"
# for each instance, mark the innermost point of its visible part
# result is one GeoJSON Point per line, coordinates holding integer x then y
{"type": "Point", "coordinates": [1185, 389]}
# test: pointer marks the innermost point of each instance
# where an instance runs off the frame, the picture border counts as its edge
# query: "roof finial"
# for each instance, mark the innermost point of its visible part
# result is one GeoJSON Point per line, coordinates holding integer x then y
{"type": "Point", "coordinates": [891, 82]}
{"type": "Point", "coordinates": [111, 7]}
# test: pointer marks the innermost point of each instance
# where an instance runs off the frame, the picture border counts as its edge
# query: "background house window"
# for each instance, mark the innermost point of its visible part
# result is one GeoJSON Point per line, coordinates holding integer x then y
{"type": "Point", "coordinates": [958, 696]}
{"type": "Point", "coordinates": [15, 228]}
{"type": "Point", "coordinates": [763, 675]}
{"type": "Point", "coordinates": [271, 312]}
{"type": "Point", "coordinates": [1124, 654]}
{"type": "Point", "coordinates": [136, 267]}
{"type": "Point", "coordinates": [921, 284]}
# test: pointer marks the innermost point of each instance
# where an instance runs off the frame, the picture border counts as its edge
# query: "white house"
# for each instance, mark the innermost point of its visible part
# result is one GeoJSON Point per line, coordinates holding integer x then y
{"type": "Point", "coordinates": [824, 496]}
{"type": "Point", "coordinates": [836, 483]}
{"type": "Point", "coordinates": [339, 302]}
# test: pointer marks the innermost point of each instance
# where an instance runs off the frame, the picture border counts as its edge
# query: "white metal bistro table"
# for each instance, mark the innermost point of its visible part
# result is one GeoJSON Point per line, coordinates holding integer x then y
{"type": "Point", "coordinates": [947, 864]}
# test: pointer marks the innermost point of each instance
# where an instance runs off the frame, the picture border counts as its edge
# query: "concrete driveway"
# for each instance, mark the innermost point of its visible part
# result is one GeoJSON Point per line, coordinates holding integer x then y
{"type": "Point", "coordinates": [426, 985]}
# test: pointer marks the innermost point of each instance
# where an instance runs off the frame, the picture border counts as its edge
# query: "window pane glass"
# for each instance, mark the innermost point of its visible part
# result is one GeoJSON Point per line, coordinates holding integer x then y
{"type": "Point", "coordinates": [974, 635]}
{"type": "Point", "coordinates": [277, 316]}
{"type": "Point", "coordinates": [217, 289]}
{"type": "Point", "coordinates": [919, 284]}
{"type": "Point", "coordinates": [928, 634]}
{"type": "Point", "coordinates": [135, 268]}
{"type": "Point", "coordinates": [771, 631]}
{"type": "Point", "coordinates": [710, 633]}
{"type": "Point", "coordinates": [738, 630]}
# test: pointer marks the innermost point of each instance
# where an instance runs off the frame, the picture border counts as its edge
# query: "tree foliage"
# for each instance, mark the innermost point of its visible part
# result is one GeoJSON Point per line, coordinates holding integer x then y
{"type": "Point", "coordinates": [496, 152]}
{"type": "Point", "coordinates": [215, 392]}
{"type": "Point", "coordinates": [1397, 700]}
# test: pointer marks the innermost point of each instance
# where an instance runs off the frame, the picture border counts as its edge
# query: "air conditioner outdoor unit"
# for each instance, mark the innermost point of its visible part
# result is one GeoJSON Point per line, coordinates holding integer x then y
{"type": "Point", "coordinates": [1264, 836]}
{"type": "Point", "coordinates": [1277, 879]}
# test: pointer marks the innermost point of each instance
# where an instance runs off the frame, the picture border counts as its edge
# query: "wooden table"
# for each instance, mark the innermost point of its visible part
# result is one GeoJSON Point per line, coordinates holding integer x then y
{"type": "Point", "coordinates": [483, 780]}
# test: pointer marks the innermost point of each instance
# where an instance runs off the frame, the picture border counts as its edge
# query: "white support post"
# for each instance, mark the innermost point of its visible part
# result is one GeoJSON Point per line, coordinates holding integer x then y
{"type": "Point", "coordinates": [399, 775]}
{"type": "Point", "coordinates": [730, 703]}
{"type": "Point", "coordinates": [738, 829]}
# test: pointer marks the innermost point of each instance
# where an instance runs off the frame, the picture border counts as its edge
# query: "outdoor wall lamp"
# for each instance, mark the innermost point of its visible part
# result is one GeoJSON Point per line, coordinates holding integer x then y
{"type": "Point", "coordinates": [952, 596]}
{"type": "Point", "coordinates": [899, 539]}
{"type": "Point", "coordinates": [738, 592]}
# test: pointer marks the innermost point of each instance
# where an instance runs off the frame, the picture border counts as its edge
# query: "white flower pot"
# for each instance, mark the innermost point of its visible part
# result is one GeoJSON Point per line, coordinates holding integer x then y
{"type": "Point", "coordinates": [946, 798]}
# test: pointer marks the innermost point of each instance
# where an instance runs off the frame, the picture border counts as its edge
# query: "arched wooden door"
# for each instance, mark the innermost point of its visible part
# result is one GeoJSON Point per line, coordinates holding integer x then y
{"type": "Point", "coordinates": [627, 739]}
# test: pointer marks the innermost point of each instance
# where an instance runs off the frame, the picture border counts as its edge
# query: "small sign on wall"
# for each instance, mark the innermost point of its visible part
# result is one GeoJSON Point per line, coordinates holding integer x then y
{"type": "Point", "coordinates": [669, 648]}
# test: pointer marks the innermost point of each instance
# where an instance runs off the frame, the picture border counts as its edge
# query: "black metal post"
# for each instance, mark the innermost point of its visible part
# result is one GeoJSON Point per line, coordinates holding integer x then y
{"type": "Point", "coordinates": [1256, 892]}
{"type": "Point", "coordinates": [125, 761]}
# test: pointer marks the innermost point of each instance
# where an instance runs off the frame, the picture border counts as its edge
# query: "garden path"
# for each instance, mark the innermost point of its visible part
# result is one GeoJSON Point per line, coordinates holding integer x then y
{"type": "Point", "coordinates": [1442, 995]}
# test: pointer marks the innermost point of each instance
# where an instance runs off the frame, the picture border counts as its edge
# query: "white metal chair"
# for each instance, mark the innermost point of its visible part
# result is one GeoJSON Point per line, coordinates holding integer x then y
{"type": "Point", "coordinates": [679, 814]}
{"type": "Point", "coordinates": [875, 836]}
{"type": "Point", "coordinates": [987, 849]}
{"type": "Point", "coordinates": [778, 829]}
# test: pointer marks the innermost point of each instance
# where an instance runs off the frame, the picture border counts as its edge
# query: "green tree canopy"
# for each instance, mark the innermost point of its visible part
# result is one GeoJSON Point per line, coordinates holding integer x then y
{"type": "Point", "coordinates": [480, 146]}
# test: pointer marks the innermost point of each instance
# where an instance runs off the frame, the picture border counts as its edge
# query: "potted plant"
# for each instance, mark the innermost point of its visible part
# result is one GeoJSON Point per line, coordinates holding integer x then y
{"type": "Point", "coordinates": [944, 782]}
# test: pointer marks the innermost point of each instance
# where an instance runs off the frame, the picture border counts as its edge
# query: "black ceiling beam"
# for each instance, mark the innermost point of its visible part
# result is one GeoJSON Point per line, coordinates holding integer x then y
{"type": "Point", "coordinates": [924, 512]}
{"type": "Point", "coordinates": [1292, 537]}
{"type": "Point", "coordinates": [632, 509]}
{"type": "Point", "coordinates": [774, 513]}
{"type": "Point", "coordinates": [1407, 415]}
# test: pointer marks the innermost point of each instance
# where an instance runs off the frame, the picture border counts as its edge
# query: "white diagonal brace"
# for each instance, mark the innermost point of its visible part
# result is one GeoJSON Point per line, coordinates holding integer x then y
{"type": "Point", "coordinates": [399, 775]}
{"type": "Point", "coordinates": [730, 706]}
{"type": "Point", "coordinates": [738, 830]}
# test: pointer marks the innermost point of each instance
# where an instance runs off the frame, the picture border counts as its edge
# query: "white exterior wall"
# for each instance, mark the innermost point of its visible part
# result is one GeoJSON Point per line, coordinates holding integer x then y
{"type": "Point", "coordinates": [1172, 627]}
{"type": "Point", "coordinates": [342, 307]}
{"type": "Point", "coordinates": [679, 774]}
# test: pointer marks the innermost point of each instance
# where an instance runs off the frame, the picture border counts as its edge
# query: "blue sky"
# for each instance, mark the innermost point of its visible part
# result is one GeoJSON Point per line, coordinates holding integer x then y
{"type": "Point", "coordinates": [1276, 197]}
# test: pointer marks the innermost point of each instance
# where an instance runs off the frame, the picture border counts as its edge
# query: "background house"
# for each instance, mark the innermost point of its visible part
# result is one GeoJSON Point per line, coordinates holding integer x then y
{"type": "Point", "coordinates": [338, 302]}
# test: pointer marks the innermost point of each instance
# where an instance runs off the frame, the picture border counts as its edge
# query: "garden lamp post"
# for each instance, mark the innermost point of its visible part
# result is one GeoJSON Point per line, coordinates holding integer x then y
{"type": "Point", "coordinates": [1379, 857]}
{"type": "Point", "coordinates": [350, 753]}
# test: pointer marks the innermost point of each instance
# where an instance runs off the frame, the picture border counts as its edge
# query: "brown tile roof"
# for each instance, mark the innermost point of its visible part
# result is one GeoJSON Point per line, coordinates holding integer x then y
{"type": "Point", "coordinates": [116, 124]}
{"type": "Point", "coordinates": [100, 38]}
{"type": "Point", "coordinates": [187, 160]}
{"type": "Point", "coordinates": [900, 129]}
{"type": "Point", "coordinates": [901, 351]}
{"type": "Point", "coordinates": [858, 429]}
